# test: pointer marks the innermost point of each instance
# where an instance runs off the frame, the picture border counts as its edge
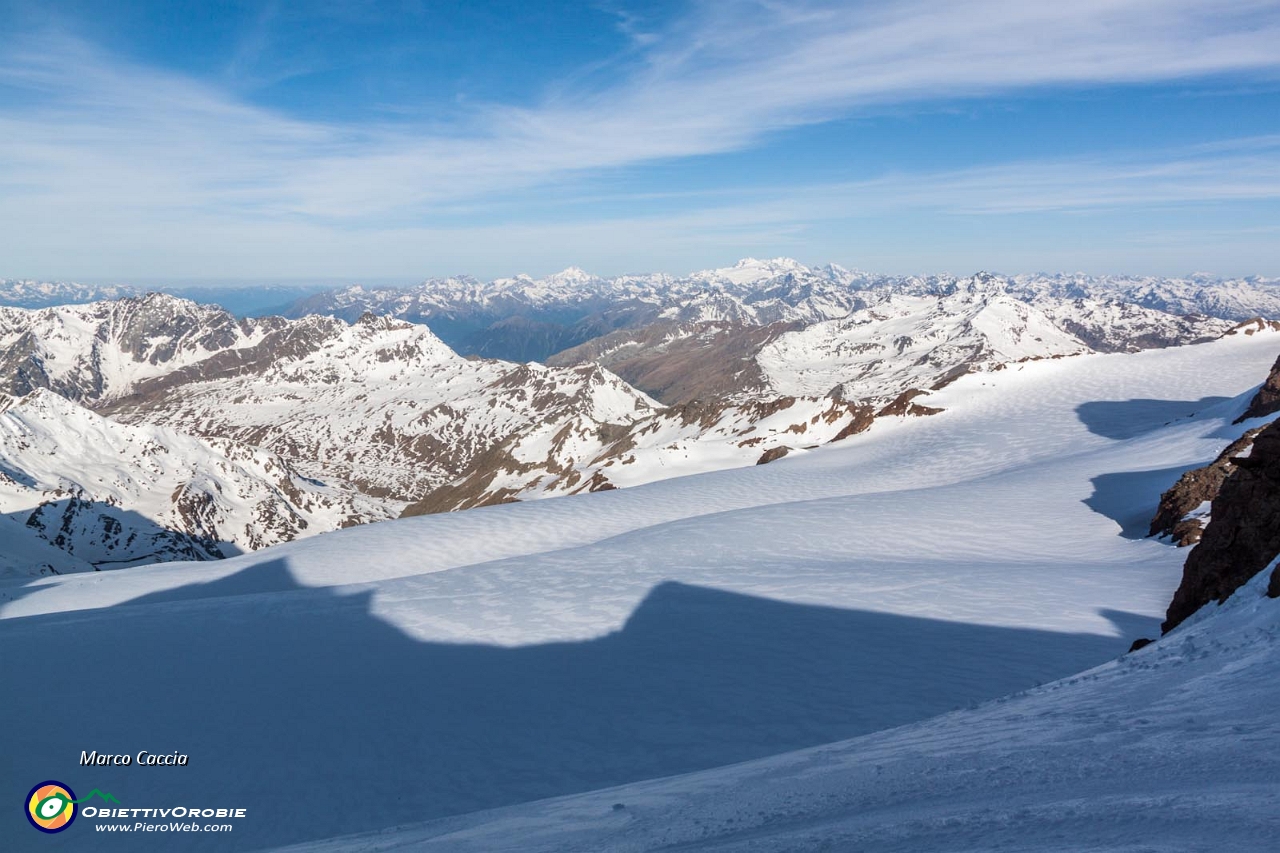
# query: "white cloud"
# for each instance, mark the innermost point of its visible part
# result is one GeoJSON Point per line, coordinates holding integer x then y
{"type": "Point", "coordinates": [99, 146]}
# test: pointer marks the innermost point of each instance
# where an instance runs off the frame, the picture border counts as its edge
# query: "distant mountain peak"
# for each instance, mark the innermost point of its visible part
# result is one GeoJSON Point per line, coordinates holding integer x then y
{"type": "Point", "coordinates": [571, 274]}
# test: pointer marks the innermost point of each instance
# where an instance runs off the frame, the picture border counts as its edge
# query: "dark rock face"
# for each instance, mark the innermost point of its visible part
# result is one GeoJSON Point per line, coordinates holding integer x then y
{"type": "Point", "coordinates": [1267, 400]}
{"type": "Point", "coordinates": [1243, 535]}
{"type": "Point", "coordinates": [773, 453]}
{"type": "Point", "coordinates": [1192, 490]}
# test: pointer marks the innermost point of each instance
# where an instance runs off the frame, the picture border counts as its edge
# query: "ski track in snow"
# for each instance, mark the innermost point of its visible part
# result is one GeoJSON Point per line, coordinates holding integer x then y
{"type": "Point", "coordinates": [497, 656]}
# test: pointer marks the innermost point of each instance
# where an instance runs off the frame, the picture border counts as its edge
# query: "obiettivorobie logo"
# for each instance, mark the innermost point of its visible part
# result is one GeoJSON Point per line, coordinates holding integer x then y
{"type": "Point", "coordinates": [51, 805]}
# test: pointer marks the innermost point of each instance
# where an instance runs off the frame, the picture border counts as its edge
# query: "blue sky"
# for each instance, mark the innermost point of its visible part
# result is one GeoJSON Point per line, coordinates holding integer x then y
{"type": "Point", "coordinates": [400, 140]}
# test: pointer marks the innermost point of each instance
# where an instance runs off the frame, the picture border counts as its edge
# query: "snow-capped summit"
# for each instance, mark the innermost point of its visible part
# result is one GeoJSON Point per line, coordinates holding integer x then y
{"type": "Point", "coordinates": [570, 276]}
{"type": "Point", "coordinates": [905, 342]}
{"type": "Point", "coordinates": [752, 271]}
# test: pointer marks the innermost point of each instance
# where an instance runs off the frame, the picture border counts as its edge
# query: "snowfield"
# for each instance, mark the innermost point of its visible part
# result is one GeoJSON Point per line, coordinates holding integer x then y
{"type": "Point", "coordinates": [1171, 748]}
{"type": "Point", "coordinates": [434, 668]}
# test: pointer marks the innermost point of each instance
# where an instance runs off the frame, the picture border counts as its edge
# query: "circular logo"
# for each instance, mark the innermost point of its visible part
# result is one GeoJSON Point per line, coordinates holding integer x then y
{"type": "Point", "coordinates": [51, 806]}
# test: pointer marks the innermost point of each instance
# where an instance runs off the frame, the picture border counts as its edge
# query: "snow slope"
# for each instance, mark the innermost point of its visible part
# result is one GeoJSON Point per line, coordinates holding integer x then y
{"type": "Point", "coordinates": [448, 664]}
{"type": "Point", "coordinates": [1174, 748]}
{"type": "Point", "coordinates": [911, 342]}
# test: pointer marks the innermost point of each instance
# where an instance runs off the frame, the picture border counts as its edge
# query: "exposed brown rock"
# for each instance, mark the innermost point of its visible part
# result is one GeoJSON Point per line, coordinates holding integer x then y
{"type": "Point", "coordinates": [1267, 400]}
{"type": "Point", "coordinates": [1192, 490]}
{"type": "Point", "coordinates": [863, 417]}
{"type": "Point", "coordinates": [1252, 327]}
{"type": "Point", "coordinates": [772, 454]}
{"type": "Point", "coordinates": [703, 413]}
{"type": "Point", "coordinates": [1243, 535]}
{"type": "Point", "coordinates": [902, 405]}
{"type": "Point", "coordinates": [600, 483]}
{"type": "Point", "coordinates": [681, 362]}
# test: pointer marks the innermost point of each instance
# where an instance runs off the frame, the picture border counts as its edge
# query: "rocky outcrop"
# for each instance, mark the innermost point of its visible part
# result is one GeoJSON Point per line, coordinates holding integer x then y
{"type": "Point", "coordinates": [903, 405]}
{"type": "Point", "coordinates": [1252, 327]}
{"type": "Point", "coordinates": [773, 453]}
{"type": "Point", "coordinates": [1243, 535]}
{"type": "Point", "coordinates": [862, 419]}
{"type": "Point", "coordinates": [1183, 508]}
{"type": "Point", "coordinates": [1267, 400]}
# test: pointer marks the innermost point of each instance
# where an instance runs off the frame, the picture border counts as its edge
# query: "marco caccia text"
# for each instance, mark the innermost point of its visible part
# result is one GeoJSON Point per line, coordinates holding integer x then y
{"type": "Point", "coordinates": [142, 759]}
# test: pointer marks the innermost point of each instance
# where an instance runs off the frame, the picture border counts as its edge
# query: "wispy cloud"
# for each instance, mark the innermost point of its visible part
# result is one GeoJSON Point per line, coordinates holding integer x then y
{"type": "Point", "coordinates": [91, 139]}
{"type": "Point", "coordinates": [1167, 178]}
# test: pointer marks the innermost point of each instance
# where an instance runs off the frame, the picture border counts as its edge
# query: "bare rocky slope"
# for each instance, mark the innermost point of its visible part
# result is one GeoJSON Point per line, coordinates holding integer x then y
{"type": "Point", "coordinates": [1185, 507]}
{"type": "Point", "coordinates": [1230, 509]}
{"type": "Point", "coordinates": [1242, 537]}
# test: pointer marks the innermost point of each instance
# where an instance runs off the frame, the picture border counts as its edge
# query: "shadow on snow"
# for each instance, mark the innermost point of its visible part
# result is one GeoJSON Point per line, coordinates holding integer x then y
{"type": "Point", "coordinates": [1123, 419]}
{"type": "Point", "coordinates": [322, 720]}
{"type": "Point", "coordinates": [1131, 498]}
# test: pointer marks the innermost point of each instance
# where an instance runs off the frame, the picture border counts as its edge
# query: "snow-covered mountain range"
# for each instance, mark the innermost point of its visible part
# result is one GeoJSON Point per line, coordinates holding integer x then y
{"type": "Point", "coordinates": [525, 318]}
{"type": "Point", "coordinates": [385, 406]}
{"type": "Point", "coordinates": [377, 416]}
{"type": "Point", "coordinates": [28, 293]}
{"type": "Point", "coordinates": [241, 299]}
{"type": "Point", "coordinates": [320, 424]}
